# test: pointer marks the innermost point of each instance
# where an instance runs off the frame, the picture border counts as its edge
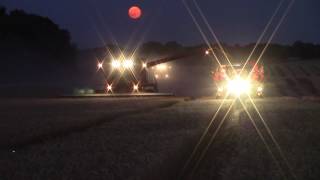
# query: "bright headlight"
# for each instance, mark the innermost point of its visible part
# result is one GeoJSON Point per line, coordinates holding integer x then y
{"type": "Point", "coordinates": [144, 65]}
{"type": "Point", "coordinates": [100, 65]}
{"type": "Point", "coordinates": [239, 86]}
{"type": "Point", "coordinates": [127, 64]}
{"type": "Point", "coordinates": [109, 87]}
{"type": "Point", "coordinates": [115, 64]}
{"type": "Point", "coordinates": [135, 87]}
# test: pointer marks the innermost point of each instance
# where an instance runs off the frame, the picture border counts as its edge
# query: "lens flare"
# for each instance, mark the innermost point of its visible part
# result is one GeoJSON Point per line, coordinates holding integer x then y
{"type": "Point", "coordinates": [135, 87]}
{"type": "Point", "coordinates": [127, 64]}
{"type": "Point", "coordinates": [109, 88]}
{"type": "Point", "coordinates": [100, 65]}
{"type": "Point", "coordinates": [144, 65]}
{"type": "Point", "coordinates": [239, 86]}
{"type": "Point", "coordinates": [116, 64]}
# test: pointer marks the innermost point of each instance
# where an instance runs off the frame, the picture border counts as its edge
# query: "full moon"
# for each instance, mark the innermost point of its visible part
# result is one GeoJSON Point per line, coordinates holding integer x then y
{"type": "Point", "coordinates": [135, 12]}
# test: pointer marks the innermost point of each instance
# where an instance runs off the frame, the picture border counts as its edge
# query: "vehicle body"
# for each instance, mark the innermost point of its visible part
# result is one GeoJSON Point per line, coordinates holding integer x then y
{"type": "Point", "coordinates": [125, 75]}
{"type": "Point", "coordinates": [237, 80]}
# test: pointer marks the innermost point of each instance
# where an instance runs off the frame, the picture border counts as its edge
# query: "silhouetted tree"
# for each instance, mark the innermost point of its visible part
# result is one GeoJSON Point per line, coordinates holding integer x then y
{"type": "Point", "coordinates": [305, 50]}
{"type": "Point", "coordinates": [153, 47]}
{"type": "Point", "coordinates": [172, 46]}
{"type": "Point", "coordinates": [23, 34]}
{"type": "Point", "coordinates": [3, 11]}
{"type": "Point", "coordinates": [238, 53]}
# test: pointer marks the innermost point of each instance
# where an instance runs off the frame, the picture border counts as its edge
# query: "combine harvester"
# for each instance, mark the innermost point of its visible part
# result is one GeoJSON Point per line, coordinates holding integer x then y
{"type": "Point", "coordinates": [237, 80]}
{"type": "Point", "coordinates": [127, 77]}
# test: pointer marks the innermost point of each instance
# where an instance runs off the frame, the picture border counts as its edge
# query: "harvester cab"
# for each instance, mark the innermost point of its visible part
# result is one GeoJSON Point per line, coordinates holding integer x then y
{"type": "Point", "coordinates": [239, 79]}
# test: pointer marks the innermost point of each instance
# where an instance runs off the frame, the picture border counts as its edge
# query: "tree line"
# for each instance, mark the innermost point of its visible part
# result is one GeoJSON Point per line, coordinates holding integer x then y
{"type": "Point", "coordinates": [236, 53]}
{"type": "Point", "coordinates": [297, 50]}
{"type": "Point", "coordinates": [24, 35]}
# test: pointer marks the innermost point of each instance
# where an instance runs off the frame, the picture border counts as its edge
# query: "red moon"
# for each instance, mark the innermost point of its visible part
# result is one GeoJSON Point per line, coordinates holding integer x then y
{"type": "Point", "coordinates": [135, 12]}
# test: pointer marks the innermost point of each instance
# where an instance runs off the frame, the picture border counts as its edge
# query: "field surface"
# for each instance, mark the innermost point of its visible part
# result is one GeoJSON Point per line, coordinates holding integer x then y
{"type": "Point", "coordinates": [154, 138]}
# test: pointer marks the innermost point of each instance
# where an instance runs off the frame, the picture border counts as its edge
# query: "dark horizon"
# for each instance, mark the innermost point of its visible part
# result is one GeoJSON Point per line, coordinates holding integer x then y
{"type": "Point", "coordinates": [92, 24]}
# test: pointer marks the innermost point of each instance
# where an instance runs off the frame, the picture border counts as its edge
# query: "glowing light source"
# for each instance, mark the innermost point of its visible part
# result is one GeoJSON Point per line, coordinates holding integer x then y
{"type": "Point", "coordinates": [135, 87]}
{"type": "Point", "coordinates": [144, 65]}
{"type": "Point", "coordinates": [127, 64]}
{"type": "Point", "coordinates": [135, 12]}
{"type": "Point", "coordinates": [239, 86]}
{"type": "Point", "coordinates": [116, 64]}
{"type": "Point", "coordinates": [156, 76]}
{"type": "Point", "coordinates": [259, 91]}
{"type": "Point", "coordinates": [100, 65]}
{"type": "Point", "coordinates": [167, 75]}
{"type": "Point", "coordinates": [161, 67]}
{"type": "Point", "coordinates": [207, 52]}
{"type": "Point", "coordinates": [109, 88]}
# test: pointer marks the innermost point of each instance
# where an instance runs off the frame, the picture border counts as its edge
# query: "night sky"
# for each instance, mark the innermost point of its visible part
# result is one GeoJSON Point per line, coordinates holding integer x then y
{"type": "Point", "coordinates": [93, 22]}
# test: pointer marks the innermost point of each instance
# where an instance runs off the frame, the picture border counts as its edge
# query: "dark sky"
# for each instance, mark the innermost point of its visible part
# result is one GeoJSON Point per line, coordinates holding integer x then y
{"type": "Point", "coordinates": [92, 22]}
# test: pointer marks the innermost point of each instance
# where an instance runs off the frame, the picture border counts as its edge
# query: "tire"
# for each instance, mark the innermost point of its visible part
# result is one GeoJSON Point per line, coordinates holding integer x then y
{"type": "Point", "coordinates": [260, 96]}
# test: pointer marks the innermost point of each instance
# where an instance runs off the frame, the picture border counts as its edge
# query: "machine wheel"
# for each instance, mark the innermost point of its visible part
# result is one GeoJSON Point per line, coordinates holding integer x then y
{"type": "Point", "coordinates": [218, 96]}
{"type": "Point", "coordinates": [260, 95]}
